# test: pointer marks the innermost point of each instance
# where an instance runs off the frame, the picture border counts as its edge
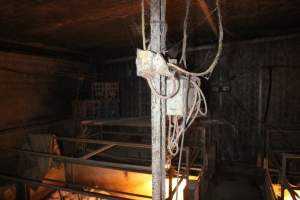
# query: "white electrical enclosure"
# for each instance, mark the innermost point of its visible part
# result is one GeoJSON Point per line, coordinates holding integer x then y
{"type": "Point", "coordinates": [176, 105]}
{"type": "Point", "coordinates": [150, 63]}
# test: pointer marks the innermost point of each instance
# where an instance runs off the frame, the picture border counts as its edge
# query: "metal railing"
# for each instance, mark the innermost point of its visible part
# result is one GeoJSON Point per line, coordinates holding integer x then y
{"type": "Point", "coordinates": [84, 160]}
{"type": "Point", "coordinates": [280, 167]}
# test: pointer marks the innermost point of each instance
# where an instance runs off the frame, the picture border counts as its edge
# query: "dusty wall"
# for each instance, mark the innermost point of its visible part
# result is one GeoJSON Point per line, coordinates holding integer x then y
{"type": "Point", "coordinates": [36, 91]}
{"type": "Point", "coordinates": [239, 70]}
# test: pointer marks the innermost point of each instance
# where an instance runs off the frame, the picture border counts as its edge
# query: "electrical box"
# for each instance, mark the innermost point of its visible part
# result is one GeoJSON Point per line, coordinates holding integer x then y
{"type": "Point", "coordinates": [176, 105]}
{"type": "Point", "coordinates": [150, 63]}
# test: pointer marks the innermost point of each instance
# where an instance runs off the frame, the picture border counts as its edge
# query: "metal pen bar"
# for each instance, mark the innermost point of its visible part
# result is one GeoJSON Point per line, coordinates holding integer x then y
{"type": "Point", "coordinates": [187, 158]}
{"type": "Point", "coordinates": [268, 185]}
{"type": "Point", "coordinates": [170, 177]}
{"type": "Point", "coordinates": [186, 172]}
{"type": "Point", "coordinates": [294, 151]}
{"type": "Point", "coordinates": [98, 151]}
{"type": "Point", "coordinates": [175, 189]}
{"type": "Point", "coordinates": [93, 141]}
{"type": "Point", "coordinates": [72, 185]}
{"type": "Point", "coordinates": [56, 187]}
{"type": "Point", "coordinates": [80, 161]}
{"type": "Point", "coordinates": [291, 156]}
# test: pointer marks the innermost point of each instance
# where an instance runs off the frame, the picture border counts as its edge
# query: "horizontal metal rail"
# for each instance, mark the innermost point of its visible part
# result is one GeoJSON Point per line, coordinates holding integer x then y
{"type": "Point", "coordinates": [83, 161]}
{"type": "Point", "coordinates": [73, 185]}
{"type": "Point", "coordinates": [282, 170]}
{"type": "Point", "coordinates": [57, 187]}
{"type": "Point", "coordinates": [291, 156]}
{"type": "Point", "coordinates": [97, 151]}
{"type": "Point", "coordinates": [93, 141]}
{"type": "Point", "coordinates": [136, 168]}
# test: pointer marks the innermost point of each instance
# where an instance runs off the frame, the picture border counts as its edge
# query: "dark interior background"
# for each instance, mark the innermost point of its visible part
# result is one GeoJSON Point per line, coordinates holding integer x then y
{"type": "Point", "coordinates": [48, 48]}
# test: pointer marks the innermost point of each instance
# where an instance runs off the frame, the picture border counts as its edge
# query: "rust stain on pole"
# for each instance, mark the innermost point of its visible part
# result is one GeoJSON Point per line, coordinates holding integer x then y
{"type": "Point", "coordinates": [158, 106]}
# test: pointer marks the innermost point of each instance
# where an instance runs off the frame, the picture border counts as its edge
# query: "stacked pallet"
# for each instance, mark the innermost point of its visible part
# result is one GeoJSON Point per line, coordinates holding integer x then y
{"type": "Point", "coordinates": [104, 102]}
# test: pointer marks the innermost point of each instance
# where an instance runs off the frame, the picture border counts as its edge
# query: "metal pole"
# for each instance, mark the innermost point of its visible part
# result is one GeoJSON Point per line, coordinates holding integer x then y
{"type": "Point", "coordinates": [158, 106]}
{"type": "Point", "coordinates": [187, 160]}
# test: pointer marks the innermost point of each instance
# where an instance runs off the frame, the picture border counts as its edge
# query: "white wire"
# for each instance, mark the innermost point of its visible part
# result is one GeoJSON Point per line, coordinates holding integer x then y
{"type": "Point", "coordinates": [143, 24]}
{"type": "Point", "coordinates": [179, 131]}
{"type": "Point", "coordinates": [194, 111]}
{"type": "Point", "coordinates": [185, 24]}
{"type": "Point", "coordinates": [172, 148]}
{"type": "Point", "coordinates": [212, 66]}
{"type": "Point", "coordinates": [175, 131]}
{"type": "Point", "coordinates": [176, 85]}
{"type": "Point", "coordinates": [198, 95]}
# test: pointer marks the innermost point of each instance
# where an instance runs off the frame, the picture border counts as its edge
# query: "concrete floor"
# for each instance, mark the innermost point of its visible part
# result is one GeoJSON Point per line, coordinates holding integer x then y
{"type": "Point", "coordinates": [235, 184]}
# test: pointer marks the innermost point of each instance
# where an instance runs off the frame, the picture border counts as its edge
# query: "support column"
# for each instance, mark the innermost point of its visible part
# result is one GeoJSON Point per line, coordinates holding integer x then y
{"type": "Point", "coordinates": [158, 106]}
{"type": "Point", "coordinates": [259, 136]}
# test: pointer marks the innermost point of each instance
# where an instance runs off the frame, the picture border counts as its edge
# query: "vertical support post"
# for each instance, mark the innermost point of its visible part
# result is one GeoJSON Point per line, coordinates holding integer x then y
{"type": "Point", "coordinates": [21, 191]}
{"type": "Point", "coordinates": [260, 118]}
{"type": "Point", "coordinates": [266, 149]}
{"type": "Point", "coordinates": [187, 160]}
{"type": "Point", "coordinates": [221, 93]}
{"type": "Point", "coordinates": [283, 175]}
{"type": "Point", "coordinates": [140, 99]}
{"type": "Point", "coordinates": [158, 106]}
{"type": "Point", "coordinates": [170, 184]}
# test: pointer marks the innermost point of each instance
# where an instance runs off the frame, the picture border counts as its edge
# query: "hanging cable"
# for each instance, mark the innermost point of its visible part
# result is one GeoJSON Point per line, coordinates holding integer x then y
{"type": "Point", "coordinates": [178, 125]}
{"type": "Point", "coordinates": [175, 84]}
{"type": "Point", "coordinates": [143, 23]}
{"type": "Point", "coordinates": [184, 41]}
{"type": "Point", "coordinates": [183, 127]}
{"type": "Point", "coordinates": [175, 130]}
{"type": "Point", "coordinates": [195, 27]}
{"type": "Point", "coordinates": [207, 73]}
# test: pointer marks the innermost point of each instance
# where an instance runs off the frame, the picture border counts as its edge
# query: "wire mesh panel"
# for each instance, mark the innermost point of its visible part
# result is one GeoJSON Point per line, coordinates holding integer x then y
{"type": "Point", "coordinates": [105, 90]}
{"type": "Point", "coordinates": [103, 102]}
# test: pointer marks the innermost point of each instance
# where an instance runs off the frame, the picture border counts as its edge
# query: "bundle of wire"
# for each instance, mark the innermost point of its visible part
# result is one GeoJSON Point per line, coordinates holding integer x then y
{"type": "Point", "coordinates": [177, 125]}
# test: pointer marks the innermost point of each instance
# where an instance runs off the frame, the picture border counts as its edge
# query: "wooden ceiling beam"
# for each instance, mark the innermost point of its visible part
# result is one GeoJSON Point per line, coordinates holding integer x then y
{"type": "Point", "coordinates": [100, 12]}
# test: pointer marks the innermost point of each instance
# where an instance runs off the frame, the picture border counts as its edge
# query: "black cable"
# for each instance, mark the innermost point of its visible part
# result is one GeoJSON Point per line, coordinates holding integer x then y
{"type": "Point", "coordinates": [265, 117]}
